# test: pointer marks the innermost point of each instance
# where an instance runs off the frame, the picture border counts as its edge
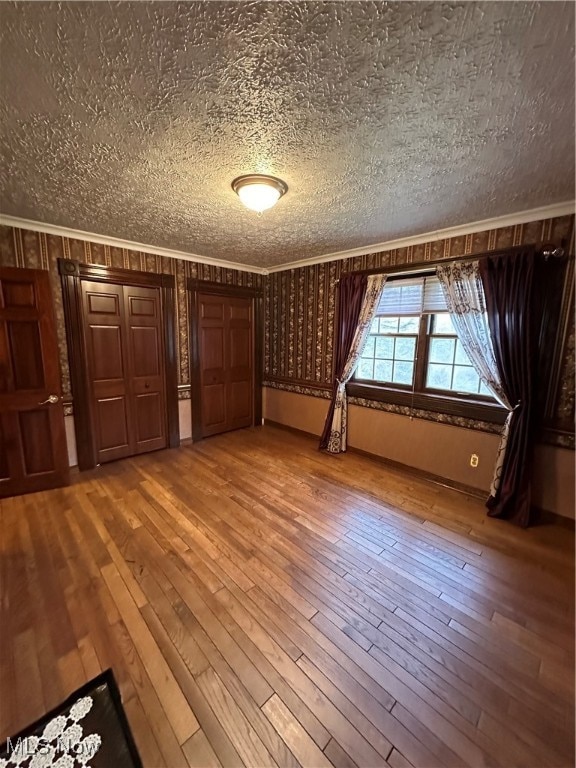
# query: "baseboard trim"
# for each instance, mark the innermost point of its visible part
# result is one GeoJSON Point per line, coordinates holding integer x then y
{"type": "Point", "coordinates": [287, 428]}
{"type": "Point", "coordinates": [544, 517]}
{"type": "Point", "coordinates": [414, 471]}
{"type": "Point", "coordinates": [422, 474]}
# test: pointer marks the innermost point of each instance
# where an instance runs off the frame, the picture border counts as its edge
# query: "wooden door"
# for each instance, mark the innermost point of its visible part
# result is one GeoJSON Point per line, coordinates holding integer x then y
{"type": "Point", "coordinates": [125, 368]}
{"type": "Point", "coordinates": [225, 347]}
{"type": "Point", "coordinates": [33, 452]}
{"type": "Point", "coordinates": [240, 391]}
{"type": "Point", "coordinates": [212, 351]}
{"type": "Point", "coordinates": [103, 306]}
{"type": "Point", "coordinates": [143, 320]}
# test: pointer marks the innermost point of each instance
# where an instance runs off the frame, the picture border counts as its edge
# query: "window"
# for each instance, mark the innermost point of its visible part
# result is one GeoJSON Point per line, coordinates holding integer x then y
{"type": "Point", "coordinates": [413, 355]}
{"type": "Point", "coordinates": [449, 367]}
{"type": "Point", "coordinates": [390, 352]}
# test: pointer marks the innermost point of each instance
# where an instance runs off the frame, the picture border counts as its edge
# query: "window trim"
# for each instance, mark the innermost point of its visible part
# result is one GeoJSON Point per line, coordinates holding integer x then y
{"type": "Point", "coordinates": [428, 401]}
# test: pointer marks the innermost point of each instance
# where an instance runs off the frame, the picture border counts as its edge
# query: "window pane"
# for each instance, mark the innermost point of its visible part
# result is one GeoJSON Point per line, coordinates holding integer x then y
{"type": "Point", "coordinates": [443, 324]}
{"type": "Point", "coordinates": [405, 348]}
{"type": "Point", "coordinates": [439, 376]}
{"type": "Point", "coordinates": [385, 347]}
{"type": "Point", "coordinates": [409, 324]}
{"type": "Point", "coordinates": [461, 356]}
{"type": "Point", "coordinates": [374, 328]}
{"type": "Point", "coordinates": [442, 350]}
{"type": "Point", "coordinates": [389, 324]}
{"type": "Point", "coordinates": [365, 369]}
{"type": "Point", "coordinates": [368, 350]}
{"type": "Point", "coordinates": [465, 379]}
{"type": "Point", "coordinates": [383, 370]}
{"type": "Point", "coordinates": [485, 391]}
{"type": "Point", "coordinates": [403, 373]}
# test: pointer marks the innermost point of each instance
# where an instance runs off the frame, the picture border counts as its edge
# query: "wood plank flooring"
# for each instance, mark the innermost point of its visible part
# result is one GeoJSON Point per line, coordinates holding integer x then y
{"type": "Point", "coordinates": [263, 604]}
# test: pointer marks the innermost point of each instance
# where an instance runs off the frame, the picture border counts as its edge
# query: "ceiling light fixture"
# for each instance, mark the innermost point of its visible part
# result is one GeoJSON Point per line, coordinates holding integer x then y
{"type": "Point", "coordinates": [259, 192]}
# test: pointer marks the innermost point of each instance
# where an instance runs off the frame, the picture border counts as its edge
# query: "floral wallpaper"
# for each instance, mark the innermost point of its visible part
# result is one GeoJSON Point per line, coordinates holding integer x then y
{"type": "Point", "coordinates": [38, 250]}
{"type": "Point", "coordinates": [300, 316]}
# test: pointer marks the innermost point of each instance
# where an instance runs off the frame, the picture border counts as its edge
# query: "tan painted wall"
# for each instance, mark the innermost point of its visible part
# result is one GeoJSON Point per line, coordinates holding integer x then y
{"type": "Point", "coordinates": [554, 480]}
{"type": "Point", "coordinates": [297, 411]}
{"type": "Point", "coordinates": [440, 449]}
{"type": "Point", "coordinates": [185, 419]}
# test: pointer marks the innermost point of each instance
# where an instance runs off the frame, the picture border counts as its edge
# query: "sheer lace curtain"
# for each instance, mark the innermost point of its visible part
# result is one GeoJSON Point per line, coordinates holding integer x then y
{"type": "Point", "coordinates": [464, 293]}
{"type": "Point", "coordinates": [334, 438]}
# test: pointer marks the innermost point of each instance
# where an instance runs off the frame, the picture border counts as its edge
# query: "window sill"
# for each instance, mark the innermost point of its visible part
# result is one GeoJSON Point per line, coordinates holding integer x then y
{"type": "Point", "coordinates": [469, 409]}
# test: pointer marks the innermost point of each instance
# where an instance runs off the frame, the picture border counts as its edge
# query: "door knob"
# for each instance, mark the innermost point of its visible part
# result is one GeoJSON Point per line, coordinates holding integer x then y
{"type": "Point", "coordinates": [52, 399]}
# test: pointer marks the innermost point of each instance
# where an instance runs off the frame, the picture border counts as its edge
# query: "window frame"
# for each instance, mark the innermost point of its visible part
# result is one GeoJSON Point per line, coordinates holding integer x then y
{"type": "Point", "coordinates": [475, 397]}
{"type": "Point", "coordinates": [466, 405]}
{"type": "Point", "coordinates": [396, 385]}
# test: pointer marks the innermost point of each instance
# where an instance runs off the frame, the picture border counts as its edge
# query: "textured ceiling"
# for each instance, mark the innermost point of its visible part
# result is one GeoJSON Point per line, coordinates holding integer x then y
{"type": "Point", "coordinates": [385, 119]}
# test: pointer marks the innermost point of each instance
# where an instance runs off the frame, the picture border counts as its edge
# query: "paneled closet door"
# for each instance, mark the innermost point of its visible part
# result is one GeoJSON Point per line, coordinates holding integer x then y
{"type": "Point", "coordinates": [226, 362]}
{"type": "Point", "coordinates": [146, 364]}
{"type": "Point", "coordinates": [125, 367]}
{"type": "Point", "coordinates": [240, 384]}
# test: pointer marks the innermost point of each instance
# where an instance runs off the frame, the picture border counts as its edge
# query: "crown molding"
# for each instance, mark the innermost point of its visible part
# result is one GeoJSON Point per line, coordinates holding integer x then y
{"type": "Point", "coordinates": [77, 234]}
{"type": "Point", "coordinates": [510, 220]}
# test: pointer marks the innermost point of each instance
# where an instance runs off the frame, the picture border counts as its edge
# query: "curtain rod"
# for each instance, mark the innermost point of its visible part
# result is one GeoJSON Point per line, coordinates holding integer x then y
{"type": "Point", "coordinates": [546, 249]}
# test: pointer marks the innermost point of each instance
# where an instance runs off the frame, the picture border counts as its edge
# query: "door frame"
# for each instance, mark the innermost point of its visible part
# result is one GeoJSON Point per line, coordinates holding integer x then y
{"type": "Point", "coordinates": [71, 275]}
{"type": "Point", "coordinates": [194, 287]}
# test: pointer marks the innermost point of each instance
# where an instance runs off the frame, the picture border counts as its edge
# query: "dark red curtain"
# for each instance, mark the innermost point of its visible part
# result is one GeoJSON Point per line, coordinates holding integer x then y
{"type": "Point", "coordinates": [351, 292]}
{"type": "Point", "coordinates": [519, 288]}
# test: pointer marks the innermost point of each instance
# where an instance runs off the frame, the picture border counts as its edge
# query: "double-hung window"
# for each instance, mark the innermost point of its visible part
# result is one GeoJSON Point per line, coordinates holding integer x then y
{"type": "Point", "coordinates": [414, 357]}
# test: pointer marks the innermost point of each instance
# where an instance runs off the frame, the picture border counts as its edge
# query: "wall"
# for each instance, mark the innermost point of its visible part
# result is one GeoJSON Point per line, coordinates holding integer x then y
{"type": "Point", "coordinates": [300, 306]}
{"type": "Point", "coordinates": [38, 250]}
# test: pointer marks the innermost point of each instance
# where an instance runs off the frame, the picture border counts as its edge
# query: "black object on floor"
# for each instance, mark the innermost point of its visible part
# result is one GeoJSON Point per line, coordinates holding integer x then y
{"type": "Point", "coordinates": [89, 729]}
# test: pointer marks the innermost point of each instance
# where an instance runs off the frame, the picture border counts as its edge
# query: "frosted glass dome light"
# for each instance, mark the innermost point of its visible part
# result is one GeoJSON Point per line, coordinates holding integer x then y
{"type": "Point", "coordinates": [259, 192]}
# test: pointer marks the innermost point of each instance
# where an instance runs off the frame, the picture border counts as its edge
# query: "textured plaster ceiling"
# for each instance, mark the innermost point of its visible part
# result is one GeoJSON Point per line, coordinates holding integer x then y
{"type": "Point", "coordinates": [385, 119]}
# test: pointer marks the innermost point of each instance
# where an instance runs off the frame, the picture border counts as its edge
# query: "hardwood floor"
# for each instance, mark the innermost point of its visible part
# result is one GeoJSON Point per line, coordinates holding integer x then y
{"type": "Point", "coordinates": [264, 604]}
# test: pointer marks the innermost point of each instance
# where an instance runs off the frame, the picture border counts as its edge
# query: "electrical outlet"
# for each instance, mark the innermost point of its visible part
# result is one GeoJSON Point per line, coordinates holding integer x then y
{"type": "Point", "coordinates": [474, 460]}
